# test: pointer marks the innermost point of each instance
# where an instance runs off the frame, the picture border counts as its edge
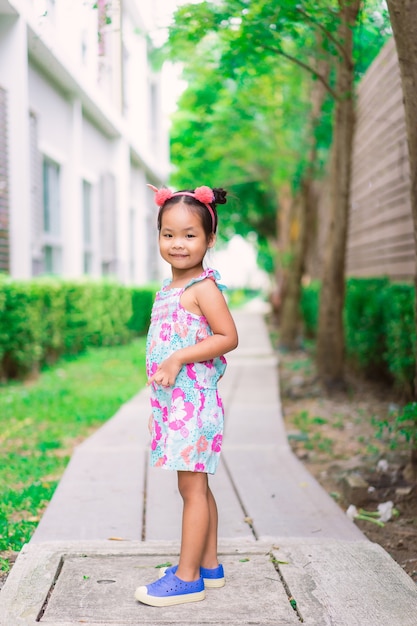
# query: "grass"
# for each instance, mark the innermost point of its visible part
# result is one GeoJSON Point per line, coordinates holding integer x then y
{"type": "Point", "coordinates": [41, 422]}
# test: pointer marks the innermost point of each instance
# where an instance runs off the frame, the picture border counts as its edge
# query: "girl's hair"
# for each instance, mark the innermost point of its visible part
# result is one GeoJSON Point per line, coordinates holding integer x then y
{"type": "Point", "coordinates": [209, 223]}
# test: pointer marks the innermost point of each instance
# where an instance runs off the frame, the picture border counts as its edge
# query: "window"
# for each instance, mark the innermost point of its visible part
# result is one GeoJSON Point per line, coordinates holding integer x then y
{"type": "Point", "coordinates": [36, 200]}
{"type": "Point", "coordinates": [107, 209]}
{"type": "Point", "coordinates": [52, 243]}
{"type": "Point", "coordinates": [87, 228]}
{"type": "Point", "coordinates": [132, 231]}
{"type": "Point", "coordinates": [51, 208]}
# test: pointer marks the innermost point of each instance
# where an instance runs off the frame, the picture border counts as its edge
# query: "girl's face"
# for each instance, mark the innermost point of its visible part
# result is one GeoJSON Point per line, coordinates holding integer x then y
{"type": "Point", "coordinates": [182, 240]}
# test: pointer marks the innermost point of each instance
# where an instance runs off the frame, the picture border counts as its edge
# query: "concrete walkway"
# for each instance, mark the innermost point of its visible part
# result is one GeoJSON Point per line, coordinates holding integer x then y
{"type": "Point", "coordinates": [112, 520]}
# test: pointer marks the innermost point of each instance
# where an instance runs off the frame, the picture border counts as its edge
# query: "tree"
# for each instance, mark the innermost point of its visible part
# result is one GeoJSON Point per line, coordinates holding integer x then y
{"type": "Point", "coordinates": [251, 32]}
{"type": "Point", "coordinates": [403, 14]}
{"type": "Point", "coordinates": [302, 215]}
{"type": "Point", "coordinates": [244, 130]}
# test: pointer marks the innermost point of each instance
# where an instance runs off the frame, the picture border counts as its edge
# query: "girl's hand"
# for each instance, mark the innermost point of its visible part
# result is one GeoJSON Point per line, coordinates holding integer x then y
{"type": "Point", "coordinates": [167, 372]}
{"type": "Point", "coordinates": [150, 424]}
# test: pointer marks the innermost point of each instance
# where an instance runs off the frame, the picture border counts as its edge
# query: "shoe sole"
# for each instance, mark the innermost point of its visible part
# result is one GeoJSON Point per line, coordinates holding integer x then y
{"type": "Point", "coordinates": [209, 583]}
{"type": "Point", "coordinates": [214, 583]}
{"type": "Point", "coordinates": [141, 595]}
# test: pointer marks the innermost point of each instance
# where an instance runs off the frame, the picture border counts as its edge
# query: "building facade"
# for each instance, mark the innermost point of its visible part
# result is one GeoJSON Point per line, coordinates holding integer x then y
{"type": "Point", "coordinates": [82, 132]}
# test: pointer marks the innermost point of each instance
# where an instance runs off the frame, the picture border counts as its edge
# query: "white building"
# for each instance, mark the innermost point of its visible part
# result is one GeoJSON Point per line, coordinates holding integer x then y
{"type": "Point", "coordinates": [81, 133]}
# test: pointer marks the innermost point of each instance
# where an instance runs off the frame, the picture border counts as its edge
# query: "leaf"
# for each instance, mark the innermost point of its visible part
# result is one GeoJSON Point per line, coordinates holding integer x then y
{"type": "Point", "coordinates": [167, 564]}
{"type": "Point", "coordinates": [116, 539]}
{"type": "Point", "coordinates": [243, 560]}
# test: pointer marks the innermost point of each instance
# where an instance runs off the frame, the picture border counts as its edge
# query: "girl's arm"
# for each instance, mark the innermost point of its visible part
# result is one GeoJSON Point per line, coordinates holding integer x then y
{"type": "Point", "coordinates": [213, 306]}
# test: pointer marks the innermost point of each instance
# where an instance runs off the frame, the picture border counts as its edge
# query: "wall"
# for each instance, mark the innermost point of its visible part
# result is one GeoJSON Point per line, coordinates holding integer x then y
{"type": "Point", "coordinates": [380, 240]}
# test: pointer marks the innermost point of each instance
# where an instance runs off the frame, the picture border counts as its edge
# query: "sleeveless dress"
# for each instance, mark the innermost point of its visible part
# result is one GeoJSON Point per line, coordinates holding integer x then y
{"type": "Point", "coordinates": [188, 417]}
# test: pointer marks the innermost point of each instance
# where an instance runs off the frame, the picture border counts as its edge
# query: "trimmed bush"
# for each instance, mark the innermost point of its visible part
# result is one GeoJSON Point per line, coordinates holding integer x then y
{"type": "Point", "coordinates": [42, 319]}
{"type": "Point", "coordinates": [380, 331]}
{"type": "Point", "coordinates": [142, 300]}
{"type": "Point", "coordinates": [364, 321]}
{"type": "Point", "coordinates": [310, 296]}
{"type": "Point", "coordinates": [400, 329]}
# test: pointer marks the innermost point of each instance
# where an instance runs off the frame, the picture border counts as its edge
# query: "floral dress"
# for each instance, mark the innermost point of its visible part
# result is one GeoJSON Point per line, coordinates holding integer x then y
{"type": "Point", "coordinates": [188, 417]}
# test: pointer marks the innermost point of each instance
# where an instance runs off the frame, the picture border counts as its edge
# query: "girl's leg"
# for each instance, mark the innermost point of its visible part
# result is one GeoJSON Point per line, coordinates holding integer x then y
{"type": "Point", "coordinates": [199, 525]}
{"type": "Point", "coordinates": [209, 558]}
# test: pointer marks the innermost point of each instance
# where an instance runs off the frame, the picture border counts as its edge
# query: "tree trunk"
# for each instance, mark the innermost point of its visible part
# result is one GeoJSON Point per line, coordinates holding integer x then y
{"type": "Point", "coordinates": [283, 238]}
{"type": "Point", "coordinates": [330, 339]}
{"type": "Point", "coordinates": [290, 318]}
{"type": "Point", "coordinates": [403, 14]}
{"type": "Point", "coordinates": [304, 209]}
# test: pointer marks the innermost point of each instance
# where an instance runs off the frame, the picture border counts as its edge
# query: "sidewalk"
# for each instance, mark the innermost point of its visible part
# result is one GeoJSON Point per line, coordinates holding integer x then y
{"type": "Point", "coordinates": [113, 519]}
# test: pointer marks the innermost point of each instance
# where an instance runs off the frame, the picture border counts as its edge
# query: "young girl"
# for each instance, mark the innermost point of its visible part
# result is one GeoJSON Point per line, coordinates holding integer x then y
{"type": "Point", "coordinates": [191, 329]}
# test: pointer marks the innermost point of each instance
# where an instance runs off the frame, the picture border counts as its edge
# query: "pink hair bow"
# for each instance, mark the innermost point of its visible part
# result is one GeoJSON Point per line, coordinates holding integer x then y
{"type": "Point", "coordinates": [203, 194]}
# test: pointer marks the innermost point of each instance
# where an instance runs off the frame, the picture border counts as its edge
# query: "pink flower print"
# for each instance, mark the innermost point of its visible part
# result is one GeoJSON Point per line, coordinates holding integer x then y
{"type": "Point", "coordinates": [181, 330]}
{"type": "Point", "coordinates": [219, 401]}
{"type": "Point", "coordinates": [184, 432]}
{"type": "Point", "coordinates": [165, 414]}
{"type": "Point", "coordinates": [199, 467]}
{"type": "Point", "coordinates": [176, 424]}
{"type": "Point", "coordinates": [202, 444]}
{"type": "Point", "coordinates": [155, 403]}
{"type": "Point", "coordinates": [158, 435]}
{"type": "Point", "coordinates": [216, 446]}
{"type": "Point", "coordinates": [180, 409]}
{"type": "Point", "coordinates": [191, 371]}
{"type": "Point", "coordinates": [202, 333]}
{"type": "Point", "coordinates": [152, 367]}
{"type": "Point", "coordinates": [186, 454]}
{"type": "Point", "coordinates": [181, 323]}
{"type": "Point", "coordinates": [161, 461]}
{"type": "Point", "coordinates": [165, 333]}
{"type": "Point", "coordinates": [202, 401]}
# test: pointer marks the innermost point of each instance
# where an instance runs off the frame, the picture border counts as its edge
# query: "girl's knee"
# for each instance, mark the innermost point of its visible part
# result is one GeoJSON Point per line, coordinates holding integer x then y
{"type": "Point", "coordinates": [191, 484]}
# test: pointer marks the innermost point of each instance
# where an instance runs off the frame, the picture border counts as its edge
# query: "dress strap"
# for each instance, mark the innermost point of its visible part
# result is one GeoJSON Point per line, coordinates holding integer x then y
{"type": "Point", "coordinates": [208, 273]}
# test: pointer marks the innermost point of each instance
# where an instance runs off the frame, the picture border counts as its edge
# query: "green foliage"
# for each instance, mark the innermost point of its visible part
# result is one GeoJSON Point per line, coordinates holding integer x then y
{"type": "Point", "coordinates": [245, 117]}
{"type": "Point", "coordinates": [309, 305]}
{"type": "Point", "coordinates": [400, 329]}
{"type": "Point", "coordinates": [42, 319]}
{"type": "Point", "coordinates": [364, 317]}
{"type": "Point", "coordinates": [380, 327]}
{"type": "Point", "coordinates": [400, 426]}
{"type": "Point", "coordinates": [142, 300]}
{"type": "Point", "coordinates": [41, 423]}
{"type": "Point", "coordinates": [239, 297]}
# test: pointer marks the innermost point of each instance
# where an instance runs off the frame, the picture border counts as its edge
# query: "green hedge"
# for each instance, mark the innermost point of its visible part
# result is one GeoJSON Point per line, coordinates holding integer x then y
{"type": "Point", "coordinates": [380, 329]}
{"type": "Point", "coordinates": [42, 319]}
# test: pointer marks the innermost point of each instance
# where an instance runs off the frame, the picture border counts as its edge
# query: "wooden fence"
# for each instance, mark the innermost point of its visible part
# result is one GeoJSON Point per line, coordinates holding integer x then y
{"type": "Point", "coordinates": [380, 239]}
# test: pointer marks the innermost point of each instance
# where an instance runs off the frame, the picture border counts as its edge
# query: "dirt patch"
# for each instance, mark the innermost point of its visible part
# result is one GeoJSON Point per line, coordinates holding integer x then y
{"type": "Point", "coordinates": [335, 437]}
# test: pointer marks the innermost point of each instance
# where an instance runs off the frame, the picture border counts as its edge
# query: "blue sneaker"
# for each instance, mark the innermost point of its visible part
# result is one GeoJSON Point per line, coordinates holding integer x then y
{"type": "Point", "coordinates": [170, 590]}
{"type": "Point", "coordinates": [213, 578]}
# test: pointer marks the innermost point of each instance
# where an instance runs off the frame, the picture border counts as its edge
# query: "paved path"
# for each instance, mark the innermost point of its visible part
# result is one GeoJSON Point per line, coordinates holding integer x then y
{"type": "Point", "coordinates": [112, 520]}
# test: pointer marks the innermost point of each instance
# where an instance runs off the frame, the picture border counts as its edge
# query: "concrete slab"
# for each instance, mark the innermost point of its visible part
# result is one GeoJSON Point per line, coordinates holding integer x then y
{"type": "Point", "coordinates": [339, 583]}
{"type": "Point", "coordinates": [101, 492]}
{"type": "Point", "coordinates": [334, 583]}
{"type": "Point", "coordinates": [64, 585]}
